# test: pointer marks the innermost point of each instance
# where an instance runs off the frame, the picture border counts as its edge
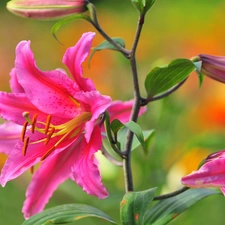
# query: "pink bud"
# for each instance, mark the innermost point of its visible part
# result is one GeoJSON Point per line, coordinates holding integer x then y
{"type": "Point", "coordinates": [213, 66]}
{"type": "Point", "coordinates": [46, 9]}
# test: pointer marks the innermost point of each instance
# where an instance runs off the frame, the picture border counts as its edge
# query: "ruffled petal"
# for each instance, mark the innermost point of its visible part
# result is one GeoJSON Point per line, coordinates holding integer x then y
{"type": "Point", "coordinates": [14, 84]}
{"type": "Point", "coordinates": [122, 110]}
{"type": "Point", "coordinates": [211, 174]}
{"type": "Point", "coordinates": [73, 59]}
{"type": "Point", "coordinates": [85, 170]}
{"type": "Point", "coordinates": [9, 136]}
{"type": "Point", "coordinates": [52, 172]}
{"type": "Point", "coordinates": [51, 91]}
{"type": "Point", "coordinates": [95, 103]}
{"type": "Point", "coordinates": [12, 106]}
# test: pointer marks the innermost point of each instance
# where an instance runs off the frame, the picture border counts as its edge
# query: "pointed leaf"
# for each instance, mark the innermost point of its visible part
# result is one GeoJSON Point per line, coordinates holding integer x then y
{"type": "Point", "coordinates": [161, 79]}
{"type": "Point", "coordinates": [148, 4]}
{"type": "Point", "coordinates": [116, 125]}
{"type": "Point", "coordinates": [148, 136]}
{"type": "Point", "coordinates": [166, 210]}
{"type": "Point", "coordinates": [134, 205]}
{"type": "Point", "coordinates": [65, 214]}
{"type": "Point", "coordinates": [143, 5]}
{"type": "Point", "coordinates": [67, 20]}
{"type": "Point", "coordinates": [136, 129]}
{"type": "Point", "coordinates": [107, 45]}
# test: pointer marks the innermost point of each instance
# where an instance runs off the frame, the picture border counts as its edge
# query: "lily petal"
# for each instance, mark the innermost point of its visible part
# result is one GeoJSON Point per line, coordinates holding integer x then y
{"type": "Point", "coordinates": [96, 103]}
{"type": "Point", "coordinates": [17, 163]}
{"type": "Point", "coordinates": [223, 190]}
{"type": "Point", "coordinates": [122, 110]}
{"type": "Point", "coordinates": [51, 92]}
{"type": "Point", "coordinates": [52, 172]}
{"type": "Point", "coordinates": [14, 84]}
{"type": "Point", "coordinates": [210, 174]}
{"type": "Point", "coordinates": [75, 56]}
{"type": "Point", "coordinates": [9, 135]}
{"type": "Point", "coordinates": [85, 170]}
{"type": "Point", "coordinates": [12, 106]}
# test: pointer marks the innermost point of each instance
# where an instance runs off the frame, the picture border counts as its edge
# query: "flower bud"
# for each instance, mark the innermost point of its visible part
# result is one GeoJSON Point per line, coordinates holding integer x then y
{"type": "Point", "coordinates": [213, 66]}
{"type": "Point", "coordinates": [46, 9]}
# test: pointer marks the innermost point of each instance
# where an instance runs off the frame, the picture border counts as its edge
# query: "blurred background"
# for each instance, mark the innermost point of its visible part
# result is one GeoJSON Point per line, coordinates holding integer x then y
{"type": "Point", "coordinates": [189, 124]}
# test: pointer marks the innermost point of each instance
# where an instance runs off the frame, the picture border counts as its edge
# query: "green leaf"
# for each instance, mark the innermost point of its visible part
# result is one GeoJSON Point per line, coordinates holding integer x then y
{"type": "Point", "coordinates": [68, 20]}
{"type": "Point", "coordinates": [148, 136]}
{"type": "Point", "coordinates": [143, 5]}
{"type": "Point", "coordinates": [198, 66]}
{"type": "Point", "coordinates": [65, 214]}
{"type": "Point", "coordinates": [106, 45]}
{"type": "Point", "coordinates": [134, 205]}
{"type": "Point", "coordinates": [161, 79]}
{"type": "Point", "coordinates": [148, 4]}
{"type": "Point", "coordinates": [136, 129]}
{"type": "Point", "coordinates": [166, 210]}
{"type": "Point", "coordinates": [116, 125]}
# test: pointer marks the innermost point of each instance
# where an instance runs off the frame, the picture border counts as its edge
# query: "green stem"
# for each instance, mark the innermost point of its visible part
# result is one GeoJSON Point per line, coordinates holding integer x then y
{"type": "Point", "coordinates": [96, 25]}
{"type": "Point", "coordinates": [158, 97]}
{"type": "Point", "coordinates": [170, 195]}
{"type": "Point", "coordinates": [135, 109]}
{"type": "Point", "coordinates": [110, 137]}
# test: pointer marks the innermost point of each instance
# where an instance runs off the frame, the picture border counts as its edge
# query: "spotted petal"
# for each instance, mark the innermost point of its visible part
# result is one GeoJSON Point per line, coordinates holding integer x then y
{"type": "Point", "coordinates": [51, 92]}
{"type": "Point", "coordinates": [12, 106]}
{"type": "Point", "coordinates": [94, 102]}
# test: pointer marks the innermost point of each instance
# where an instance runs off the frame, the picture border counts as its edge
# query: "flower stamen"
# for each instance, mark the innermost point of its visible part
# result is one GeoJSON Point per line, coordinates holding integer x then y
{"type": "Point", "coordinates": [48, 153]}
{"type": "Point", "coordinates": [22, 136]}
{"type": "Point", "coordinates": [33, 123]}
{"type": "Point", "coordinates": [50, 133]}
{"type": "Point", "coordinates": [69, 129]}
{"type": "Point", "coordinates": [47, 125]}
{"type": "Point", "coordinates": [32, 169]}
{"type": "Point", "coordinates": [25, 145]}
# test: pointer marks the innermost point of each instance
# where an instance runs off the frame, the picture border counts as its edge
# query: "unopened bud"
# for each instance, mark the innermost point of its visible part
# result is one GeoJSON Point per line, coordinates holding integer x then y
{"type": "Point", "coordinates": [46, 9]}
{"type": "Point", "coordinates": [213, 66]}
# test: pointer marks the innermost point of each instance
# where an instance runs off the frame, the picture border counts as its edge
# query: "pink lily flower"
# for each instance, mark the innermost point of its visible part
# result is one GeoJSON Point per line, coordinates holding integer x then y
{"type": "Point", "coordinates": [59, 123]}
{"type": "Point", "coordinates": [211, 174]}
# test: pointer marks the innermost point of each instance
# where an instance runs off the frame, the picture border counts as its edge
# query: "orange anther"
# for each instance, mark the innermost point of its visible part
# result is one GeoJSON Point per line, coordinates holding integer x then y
{"type": "Point", "coordinates": [48, 121]}
{"type": "Point", "coordinates": [25, 145]}
{"type": "Point", "coordinates": [32, 169]}
{"type": "Point", "coordinates": [47, 153]}
{"type": "Point", "coordinates": [22, 136]}
{"type": "Point", "coordinates": [50, 133]}
{"type": "Point", "coordinates": [33, 123]}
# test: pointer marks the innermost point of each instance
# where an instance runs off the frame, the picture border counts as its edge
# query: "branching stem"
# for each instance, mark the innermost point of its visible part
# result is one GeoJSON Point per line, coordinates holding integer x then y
{"type": "Point", "coordinates": [172, 194]}
{"type": "Point", "coordinates": [97, 26]}
{"type": "Point", "coordinates": [135, 109]}
{"type": "Point", "coordinates": [158, 97]}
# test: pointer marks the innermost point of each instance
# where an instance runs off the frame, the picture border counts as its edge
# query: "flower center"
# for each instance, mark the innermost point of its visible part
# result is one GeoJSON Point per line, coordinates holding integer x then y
{"type": "Point", "coordinates": [69, 129]}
